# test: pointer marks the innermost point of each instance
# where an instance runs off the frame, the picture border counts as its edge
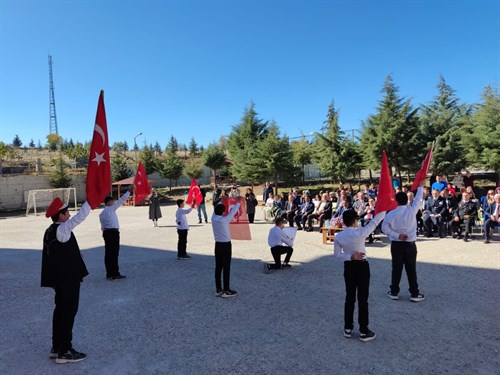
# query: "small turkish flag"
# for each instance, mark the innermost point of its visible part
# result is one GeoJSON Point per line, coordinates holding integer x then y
{"type": "Point", "coordinates": [194, 195]}
{"type": "Point", "coordinates": [141, 183]}
{"type": "Point", "coordinates": [422, 173]}
{"type": "Point", "coordinates": [99, 170]}
{"type": "Point", "coordinates": [385, 195]}
{"type": "Point", "coordinates": [239, 226]}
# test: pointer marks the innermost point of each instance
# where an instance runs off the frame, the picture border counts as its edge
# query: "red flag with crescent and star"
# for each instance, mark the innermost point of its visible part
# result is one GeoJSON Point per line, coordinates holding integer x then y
{"type": "Point", "coordinates": [99, 170]}
{"type": "Point", "coordinates": [141, 183]}
{"type": "Point", "coordinates": [385, 196]}
{"type": "Point", "coordinates": [194, 196]}
{"type": "Point", "coordinates": [239, 227]}
{"type": "Point", "coordinates": [424, 169]}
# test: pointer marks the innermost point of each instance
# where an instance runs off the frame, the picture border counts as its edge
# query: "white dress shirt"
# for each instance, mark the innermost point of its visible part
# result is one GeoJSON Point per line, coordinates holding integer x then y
{"type": "Point", "coordinates": [352, 239]}
{"type": "Point", "coordinates": [181, 219]}
{"type": "Point", "coordinates": [403, 220]}
{"type": "Point", "coordinates": [64, 230]}
{"type": "Point", "coordinates": [277, 237]}
{"type": "Point", "coordinates": [220, 224]}
{"type": "Point", "coordinates": [108, 217]}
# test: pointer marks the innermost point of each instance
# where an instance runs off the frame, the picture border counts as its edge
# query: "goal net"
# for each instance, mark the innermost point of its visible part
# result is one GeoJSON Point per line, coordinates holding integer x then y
{"type": "Point", "coordinates": [41, 199]}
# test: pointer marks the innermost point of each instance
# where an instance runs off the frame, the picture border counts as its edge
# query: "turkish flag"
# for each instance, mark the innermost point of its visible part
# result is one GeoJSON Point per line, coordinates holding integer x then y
{"type": "Point", "coordinates": [99, 170]}
{"type": "Point", "coordinates": [424, 169]}
{"type": "Point", "coordinates": [385, 195]}
{"type": "Point", "coordinates": [239, 226]}
{"type": "Point", "coordinates": [141, 183]}
{"type": "Point", "coordinates": [194, 194]}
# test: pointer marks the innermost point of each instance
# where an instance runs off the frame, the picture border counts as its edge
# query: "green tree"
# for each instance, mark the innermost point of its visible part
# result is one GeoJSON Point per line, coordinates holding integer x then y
{"type": "Point", "coordinates": [214, 158]}
{"type": "Point", "coordinates": [16, 142]}
{"type": "Point", "coordinates": [395, 129]}
{"type": "Point", "coordinates": [481, 138]}
{"type": "Point", "coordinates": [193, 169]}
{"type": "Point", "coordinates": [302, 154]}
{"type": "Point", "coordinates": [32, 143]}
{"type": "Point", "coordinates": [171, 167]}
{"type": "Point", "coordinates": [327, 146]}
{"type": "Point", "coordinates": [350, 162]}
{"type": "Point", "coordinates": [148, 159]}
{"type": "Point", "coordinates": [125, 146]}
{"type": "Point", "coordinates": [157, 148]}
{"type": "Point", "coordinates": [79, 153]}
{"type": "Point", "coordinates": [119, 147]}
{"type": "Point", "coordinates": [53, 141]}
{"type": "Point", "coordinates": [193, 147]}
{"type": "Point", "coordinates": [442, 121]}
{"type": "Point", "coordinates": [59, 177]}
{"type": "Point", "coordinates": [276, 154]}
{"type": "Point", "coordinates": [173, 146]}
{"type": "Point", "coordinates": [243, 144]}
{"type": "Point", "coordinates": [39, 145]}
{"type": "Point", "coordinates": [119, 168]}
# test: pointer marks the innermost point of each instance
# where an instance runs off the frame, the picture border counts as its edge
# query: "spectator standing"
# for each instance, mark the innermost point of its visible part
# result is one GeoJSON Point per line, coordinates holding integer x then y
{"type": "Point", "coordinates": [251, 202]}
{"type": "Point", "coordinates": [201, 207]}
{"type": "Point", "coordinates": [154, 207]}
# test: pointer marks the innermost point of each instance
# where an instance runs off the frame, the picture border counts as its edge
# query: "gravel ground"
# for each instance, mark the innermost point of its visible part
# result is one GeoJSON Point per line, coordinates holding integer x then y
{"type": "Point", "coordinates": [164, 318]}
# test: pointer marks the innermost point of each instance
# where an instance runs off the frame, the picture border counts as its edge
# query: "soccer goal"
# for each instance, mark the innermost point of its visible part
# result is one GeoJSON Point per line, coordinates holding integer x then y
{"type": "Point", "coordinates": [41, 198]}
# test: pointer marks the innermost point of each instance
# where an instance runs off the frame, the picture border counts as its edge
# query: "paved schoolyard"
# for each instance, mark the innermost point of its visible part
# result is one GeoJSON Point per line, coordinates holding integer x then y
{"type": "Point", "coordinates": [164, 318]}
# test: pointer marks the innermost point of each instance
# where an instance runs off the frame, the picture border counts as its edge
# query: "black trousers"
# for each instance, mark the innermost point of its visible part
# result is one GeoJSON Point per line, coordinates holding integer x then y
{"type": "Point", "coordinates": [251, 217]}
{"type": "Point", "coordinates": [277, 251]}
{"type": "Point", "coordinates": [289, 217]}
{"type": "Point", "coordinates": [455, 225]}
{"type": "Point", "coordinates": [111, 251]}
{"type": "Point", "coordinates": [182, 242]}
{"type": "Point", "coordinates": [357, 279]}
{"type": "Point", "coordinates": [66, 300]}
{"type": "Point", "coordinates": [223, 252]}
{"type": "Point", "coordinates": [404, 254]}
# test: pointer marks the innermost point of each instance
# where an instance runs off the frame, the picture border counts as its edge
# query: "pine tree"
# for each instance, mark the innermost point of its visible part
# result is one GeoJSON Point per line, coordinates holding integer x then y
{"type": "Point", "coordinates": [442, 121]}
{"type": "Point", "coordinates": [193, 169]}
{"type": "Point", "coordinates": [214, 158]}
{"type": "Point", "coordinates": [243, 144]}
{"type": "Point", "coordinates": [395, 129]}
{"type": "Point", "coordinates": [171, 167]}
{"type": "Point", "coordinates": [119, 168]}
{"type": "Point", "coordinates": [32, 143]}
{"type": "Point", "coordinates": [302, 154]}
{"type": "Point", "coordinates": [157, 148]}
{"type": "Point", "coordinates": [193, 147]}
{"type": "Point", "coordinates": [173, 146]}
{"type": "Point", "coordinates": [60, 178]}
{"type": "Point", "coordinates": [16, 142]}
{"type": "Point", "coordinates": [148, 159]}
{"type": "Point", "coordinates": [481, 137]}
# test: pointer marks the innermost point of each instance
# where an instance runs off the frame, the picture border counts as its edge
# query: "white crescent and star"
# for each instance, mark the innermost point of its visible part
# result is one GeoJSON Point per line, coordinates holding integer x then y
{"type": "Point", "coordinates": [99, 158]}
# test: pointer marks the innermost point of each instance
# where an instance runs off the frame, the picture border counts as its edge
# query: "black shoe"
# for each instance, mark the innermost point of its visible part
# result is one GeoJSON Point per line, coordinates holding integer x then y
{"type": "Point", "coordinates": [347, 333]}
{"type": "Point", "coordinates": [229, 293]}
{"type": "Point", "coordinates": [53, 353]}
{"type": "Point", "coordinates": [218, 292]}
{"type": "Point", "coordinates": [286, 266]}
{"type": "Point", "coordinates": [116, 277]}
{"type": "Point", "coordinates": [454, 235]}
{"type": "Point", "coordinates": [417, 298]}
{"type": "Point", "coordinates": [392, 296]}
{"type": "Point", "coordinates": [466, 238]}
{"type": "Point", "coordinates": [368, 336]}
{"type": "Point", "coordinates": [183, 257]}
{"type": "Point", "coordinates": [299, 228]}
{"type": "Point", "coordinates": [70, 356]}
{"type": "Point", "coordinates": [267, 268]}
{"type": "Point", "coordinates": [199, 222]}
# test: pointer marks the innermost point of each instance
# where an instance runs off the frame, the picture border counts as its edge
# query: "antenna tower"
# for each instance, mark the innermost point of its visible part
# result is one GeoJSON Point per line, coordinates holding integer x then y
{"type": "Point", "coordinates": [52, 102]}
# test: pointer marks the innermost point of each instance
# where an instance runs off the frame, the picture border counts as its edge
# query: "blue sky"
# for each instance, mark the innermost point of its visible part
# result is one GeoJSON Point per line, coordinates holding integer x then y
{"type": "Point", "coordinates": [189, 68]}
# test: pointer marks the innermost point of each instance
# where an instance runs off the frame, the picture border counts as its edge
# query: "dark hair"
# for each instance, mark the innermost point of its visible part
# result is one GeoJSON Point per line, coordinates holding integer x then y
{"type": "Point", "coordinates": [401, 198]}
{"type": "Point", "coordinates": [349, 217]}
{"type": "Point", "coordinates": [279, 220]}
{"type": "Point", "coordinates": [219, 209]}
{"type": "Point", "coordinates": [109, 198]}
{"type": "Point", "coordinates": [56, 216]}
{"type": "Point", "coordinates": [179, 202]}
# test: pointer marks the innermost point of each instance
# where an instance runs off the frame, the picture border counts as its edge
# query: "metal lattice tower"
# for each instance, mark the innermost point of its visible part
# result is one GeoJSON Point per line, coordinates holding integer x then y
{"type": "Point", "coordinates": [52, 102]}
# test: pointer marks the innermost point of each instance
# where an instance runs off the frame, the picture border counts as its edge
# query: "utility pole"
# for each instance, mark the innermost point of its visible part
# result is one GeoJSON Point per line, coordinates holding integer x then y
{"type": "Point", "coordinates": [52, 102]}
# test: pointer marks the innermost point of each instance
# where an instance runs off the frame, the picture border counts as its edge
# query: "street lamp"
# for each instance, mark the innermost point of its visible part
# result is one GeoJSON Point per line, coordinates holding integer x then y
{"type": "Point", "coordinates": [135, 147]}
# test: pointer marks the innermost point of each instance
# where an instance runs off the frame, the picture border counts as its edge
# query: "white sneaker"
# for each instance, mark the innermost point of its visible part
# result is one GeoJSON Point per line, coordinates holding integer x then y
{"type": "Point", "coordinates": [417, 298]}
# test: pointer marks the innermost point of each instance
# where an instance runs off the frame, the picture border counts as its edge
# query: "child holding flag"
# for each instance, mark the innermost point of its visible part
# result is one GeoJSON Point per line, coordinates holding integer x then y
{"type": "Point", "coordinates": [223, 248]}
{"type": "Point", "coordinates": [182, 229]}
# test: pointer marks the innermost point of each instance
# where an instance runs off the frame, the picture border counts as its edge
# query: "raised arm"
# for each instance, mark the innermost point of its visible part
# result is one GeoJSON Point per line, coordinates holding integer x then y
{"type": "Point", "coordinates": [64, 230]}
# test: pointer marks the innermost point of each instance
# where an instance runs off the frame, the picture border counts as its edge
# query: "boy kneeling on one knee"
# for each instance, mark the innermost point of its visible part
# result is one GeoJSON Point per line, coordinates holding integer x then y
{"type": "Point", "coordinates": [280, 243]}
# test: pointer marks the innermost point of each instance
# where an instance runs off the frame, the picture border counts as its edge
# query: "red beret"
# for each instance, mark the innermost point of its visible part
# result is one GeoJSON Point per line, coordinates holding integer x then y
{"type": "Point", "coordinates": [56, 206]}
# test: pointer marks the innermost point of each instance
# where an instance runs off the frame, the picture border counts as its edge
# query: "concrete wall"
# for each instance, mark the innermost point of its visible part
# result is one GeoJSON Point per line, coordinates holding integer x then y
{"type": "Point", "coordinates": [14, 189]}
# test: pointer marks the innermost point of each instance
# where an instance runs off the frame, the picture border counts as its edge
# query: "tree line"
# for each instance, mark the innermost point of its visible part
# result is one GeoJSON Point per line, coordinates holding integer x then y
{"type": "Point", "coordinates": [465, 135]}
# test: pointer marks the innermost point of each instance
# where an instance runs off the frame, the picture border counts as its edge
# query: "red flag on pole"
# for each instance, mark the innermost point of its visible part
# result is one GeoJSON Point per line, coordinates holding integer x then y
{"type": "Point", "coordinates": [239, 225]}
{"type": "Point", "coordinates": [99, 170]}
{"type": "Point", "coordinates": [141, 183]}
{"type": "Point", "coordinates": [385, 195]}
{"type": "Point", "coordinates": [424, 169]}
{"type": "Point", "coordinates": [194, 194]}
